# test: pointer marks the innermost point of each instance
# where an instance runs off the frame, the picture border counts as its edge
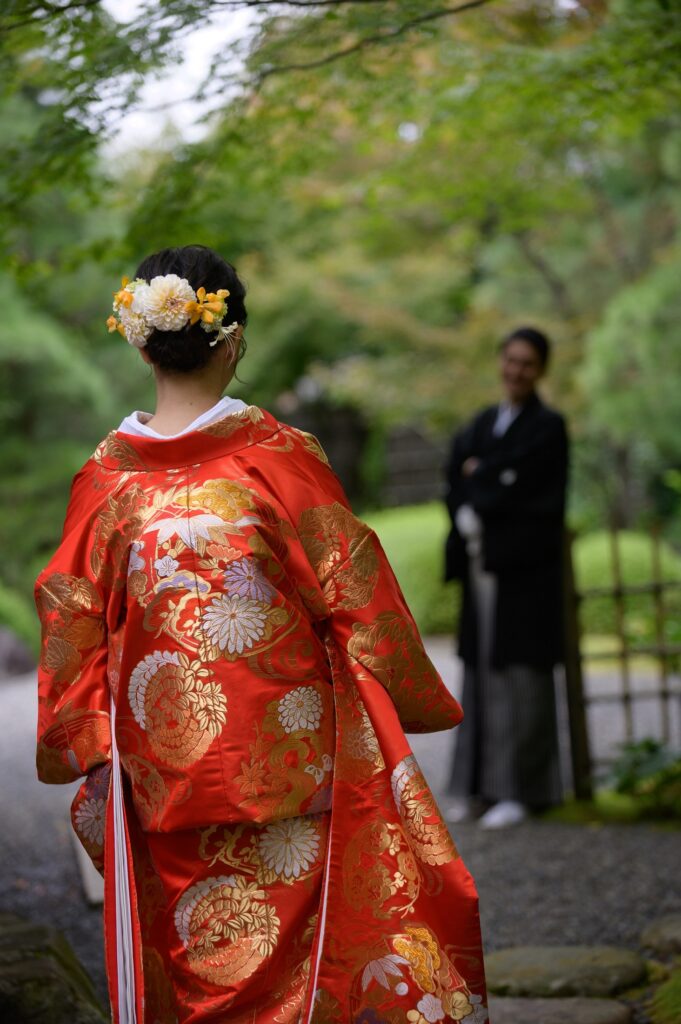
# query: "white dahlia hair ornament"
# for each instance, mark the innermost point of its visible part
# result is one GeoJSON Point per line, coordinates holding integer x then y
{"type": "Point", "coordinates": [167, 303]}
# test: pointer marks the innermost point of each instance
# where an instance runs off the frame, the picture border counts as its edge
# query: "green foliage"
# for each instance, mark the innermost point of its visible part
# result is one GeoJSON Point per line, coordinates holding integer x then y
{"type": "Point", "coordinates": [413, 538]}
{"type": "Point", "coordinates": [52, 399]}
{"type": "Point", "coordinates": [634, 361]}
{"type": "Point", "coordinates": [58, 395]}
{"type": "Point", "coordinates": [410, 187]}
{"type": "Point", "coordinates": [607, 808]}
{"type": "Point", "coordinates": [651, 773]}
{"type": "Point", "coordinates": [593, 561]}
{"type": "Point", "coordinates": [665, 1007]}
{"type": "Point", "coordinates": [78, 68]}
{"type": "Point", "coordinates": [639, 761]}
{"type": "Point", "coordinates": [398, 208]}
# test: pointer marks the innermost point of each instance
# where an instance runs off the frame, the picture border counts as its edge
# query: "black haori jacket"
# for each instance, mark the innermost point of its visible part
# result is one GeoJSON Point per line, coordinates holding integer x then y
{"type": "Point", "coordinates": [518, 491]}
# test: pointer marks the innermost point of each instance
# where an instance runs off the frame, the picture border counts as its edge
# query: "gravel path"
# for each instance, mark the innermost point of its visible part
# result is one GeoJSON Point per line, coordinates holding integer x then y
{"type": "Point", "coordinates": [38, 873]}
{"type": "Point", "coordinates": [539, 883]}
{"type": "Point", "coordinates": [565, 884]}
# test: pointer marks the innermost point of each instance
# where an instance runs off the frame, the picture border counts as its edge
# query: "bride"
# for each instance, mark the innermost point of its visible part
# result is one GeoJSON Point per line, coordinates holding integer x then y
{"type": "Point", "coordinates": [229, 662]}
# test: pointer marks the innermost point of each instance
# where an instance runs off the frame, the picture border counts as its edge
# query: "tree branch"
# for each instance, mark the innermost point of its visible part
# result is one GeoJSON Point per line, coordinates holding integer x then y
{"type": "Point", "coordinates": [553, 282]}
{"type": "Point", "coordinates": [292, 3]}
{"type": "Point", "coordinates": [611, 227]}
{"type": "Point", "coordinates": [377, 38]}
{"type": "Point", "coordinates": [49, 10]}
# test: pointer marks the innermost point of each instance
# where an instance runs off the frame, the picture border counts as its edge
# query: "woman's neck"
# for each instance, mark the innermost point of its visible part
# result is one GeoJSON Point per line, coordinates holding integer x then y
{"type": "Point", "coordinates": [179, 400]}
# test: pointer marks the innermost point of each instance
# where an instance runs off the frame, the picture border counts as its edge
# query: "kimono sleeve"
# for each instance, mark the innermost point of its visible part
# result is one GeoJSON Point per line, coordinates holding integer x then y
{"type": "Point", "coordinates": [73, 694]}
{"type": "Point", "coordinates": [368, 618]}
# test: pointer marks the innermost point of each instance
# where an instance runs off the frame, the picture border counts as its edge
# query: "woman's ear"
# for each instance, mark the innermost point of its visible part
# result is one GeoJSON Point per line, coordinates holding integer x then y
{"type": "Point", "coordinates": [233, 346]}
{"type": "Point", "coordinates": [145, 356]}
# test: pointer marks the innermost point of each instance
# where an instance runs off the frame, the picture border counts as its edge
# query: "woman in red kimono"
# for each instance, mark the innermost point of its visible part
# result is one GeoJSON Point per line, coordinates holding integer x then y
{"type": "Point", "coordinates": [228, 660]}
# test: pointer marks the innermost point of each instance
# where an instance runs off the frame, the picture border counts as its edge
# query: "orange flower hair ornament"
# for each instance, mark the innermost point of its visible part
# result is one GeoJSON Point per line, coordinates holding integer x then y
{"type": "Point", "coordinates": [167, 303]}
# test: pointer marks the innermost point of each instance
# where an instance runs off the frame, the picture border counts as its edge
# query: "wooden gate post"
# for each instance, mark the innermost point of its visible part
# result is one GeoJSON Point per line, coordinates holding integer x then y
{"type": "Point", "coordinates": [574, 682]}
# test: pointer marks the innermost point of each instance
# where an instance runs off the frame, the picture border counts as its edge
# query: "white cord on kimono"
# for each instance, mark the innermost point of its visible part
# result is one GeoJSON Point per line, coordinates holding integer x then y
{"type": "Point", "coordinates": [127, 1013]}
{"type": "Point", "coordinates": [314, 973]}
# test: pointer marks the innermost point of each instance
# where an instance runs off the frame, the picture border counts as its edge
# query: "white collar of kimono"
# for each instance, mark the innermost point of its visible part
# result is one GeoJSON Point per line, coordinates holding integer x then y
{"type": "Point", "coordinates": [136, 422]}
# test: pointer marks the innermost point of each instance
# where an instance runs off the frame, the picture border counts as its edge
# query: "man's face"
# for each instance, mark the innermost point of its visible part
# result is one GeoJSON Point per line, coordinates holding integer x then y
{"type": "Point", "coordinates": [521, 368]}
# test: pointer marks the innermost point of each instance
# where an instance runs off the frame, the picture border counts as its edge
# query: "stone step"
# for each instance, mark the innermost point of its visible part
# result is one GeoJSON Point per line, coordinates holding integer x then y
{"type": "Point", "coordinates": [553, 971]}
{"type": "Point", "coordinates": [41, 980]}
{"type": "Point", "coordinates": [557, 1011]}
{"type": "Point", "coordinates": [664, 935]}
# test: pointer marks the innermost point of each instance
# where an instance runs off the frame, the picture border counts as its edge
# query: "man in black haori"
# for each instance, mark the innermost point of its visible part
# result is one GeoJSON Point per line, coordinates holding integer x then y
{"type": "Point", "coordinates": [507, 475]}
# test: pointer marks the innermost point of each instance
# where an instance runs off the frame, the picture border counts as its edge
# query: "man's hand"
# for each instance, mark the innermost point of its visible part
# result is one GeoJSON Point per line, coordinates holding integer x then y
{"type": "Point", "coordinates": [470, 465]}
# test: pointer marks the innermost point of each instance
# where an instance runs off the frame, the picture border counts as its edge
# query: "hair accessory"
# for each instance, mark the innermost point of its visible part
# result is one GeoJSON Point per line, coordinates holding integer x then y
{"type": "Point", "coordinates": [225, 333]}
{"type": "Point", "coordinates": [167, 303]}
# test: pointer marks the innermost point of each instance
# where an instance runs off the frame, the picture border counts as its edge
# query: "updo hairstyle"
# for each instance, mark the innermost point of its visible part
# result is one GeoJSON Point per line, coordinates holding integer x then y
{"type": "Point", "coordinates": [537, 339]}
{"type": "Point", "coordinates": [189, 349]}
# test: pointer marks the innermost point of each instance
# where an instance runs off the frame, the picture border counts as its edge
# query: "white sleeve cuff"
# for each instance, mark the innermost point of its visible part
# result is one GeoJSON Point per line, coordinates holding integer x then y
{"type": "Point", "coordinates": [468, 522]}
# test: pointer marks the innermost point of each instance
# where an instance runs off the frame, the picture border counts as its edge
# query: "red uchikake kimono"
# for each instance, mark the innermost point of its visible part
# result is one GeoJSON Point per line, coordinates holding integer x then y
{"type": "Point", "coordinates": [270, 848]}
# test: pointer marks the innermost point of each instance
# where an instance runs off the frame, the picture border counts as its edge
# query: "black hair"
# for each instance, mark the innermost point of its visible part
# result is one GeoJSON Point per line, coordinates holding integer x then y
{"type": "Point", "coordinates": [189, 349]}
{"type": "Point", "coordinates": [537, 339]}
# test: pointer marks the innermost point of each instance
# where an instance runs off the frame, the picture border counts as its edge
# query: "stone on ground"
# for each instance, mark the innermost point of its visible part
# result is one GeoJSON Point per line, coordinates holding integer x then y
{"type": "Point", "coordinates": [664, 935]}
{"type": "Point", "coordinates": [557, 1011]}
{"type": "Point", "coordinates": [41, 981]}
{"type": "Point", "coordinates": [551, 971]}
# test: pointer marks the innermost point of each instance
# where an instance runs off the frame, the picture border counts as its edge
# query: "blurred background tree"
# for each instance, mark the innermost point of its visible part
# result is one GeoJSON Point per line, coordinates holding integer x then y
{"type": "Point", "coordinates": [399, 181]}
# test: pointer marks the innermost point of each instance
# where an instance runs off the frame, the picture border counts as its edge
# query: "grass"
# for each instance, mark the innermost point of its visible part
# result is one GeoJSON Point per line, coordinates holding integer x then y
{"type": "Point", "coordinates": [665, 1006]}
{"type": "Point", "coordinates": [593, 563]}
{"type": "Point", "coordinates": [607, 808]}
{"type": "Point", "coordinates": [413, 538]}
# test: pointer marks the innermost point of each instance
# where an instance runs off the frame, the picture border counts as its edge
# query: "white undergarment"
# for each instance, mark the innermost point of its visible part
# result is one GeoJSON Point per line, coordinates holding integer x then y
{"type": "Point", "coordinates": [136, 422]}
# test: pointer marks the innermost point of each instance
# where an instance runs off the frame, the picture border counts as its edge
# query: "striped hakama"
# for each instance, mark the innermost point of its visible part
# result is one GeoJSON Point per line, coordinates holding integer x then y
{"type": "Point", "coordinates": [507, 746]}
